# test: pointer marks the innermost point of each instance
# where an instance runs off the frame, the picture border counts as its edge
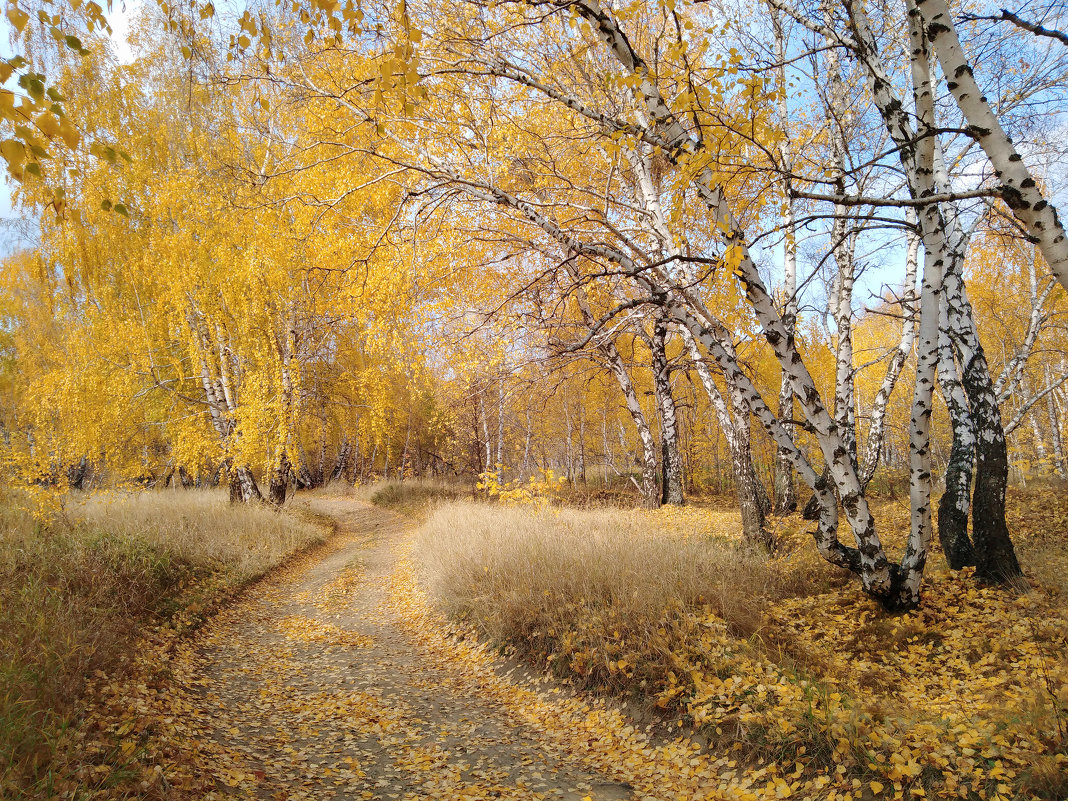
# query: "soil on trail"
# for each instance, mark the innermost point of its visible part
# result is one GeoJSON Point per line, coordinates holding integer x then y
{"type": "Point", "coordinates": [315, 686]}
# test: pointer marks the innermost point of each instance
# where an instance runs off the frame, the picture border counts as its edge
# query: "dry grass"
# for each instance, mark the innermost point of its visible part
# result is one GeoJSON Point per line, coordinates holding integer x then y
{"type": "Point", "coordinates": [414, 496]}
{"type": "Point", "coordinates": [513, 558]}
{"type": "Point", "coordinates": [74, 593]}
{"type": "Point", "coordinates": [763, 659]}
{"type": "Point", "coordinates": [201, 528]}
{"type": "Point", "coordinates": [585, 588]}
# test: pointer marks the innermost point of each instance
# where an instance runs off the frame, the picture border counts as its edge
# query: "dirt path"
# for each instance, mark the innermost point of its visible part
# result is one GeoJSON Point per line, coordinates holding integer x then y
{"type": "Point", "coordinates": [314, 686]}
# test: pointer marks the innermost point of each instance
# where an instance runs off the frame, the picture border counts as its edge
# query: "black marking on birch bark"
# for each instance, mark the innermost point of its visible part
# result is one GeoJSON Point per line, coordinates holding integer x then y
{"type": "Point", "coordinates": [1014, 198]}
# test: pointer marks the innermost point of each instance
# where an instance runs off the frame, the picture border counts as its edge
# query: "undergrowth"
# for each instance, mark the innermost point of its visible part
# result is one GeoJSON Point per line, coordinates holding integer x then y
{"type": "Point", "coordinates": [414, 497]}
{"type": "Point", "coordinates": [75, 592]}
{"type": "Point", "coordinates": [780, 661]}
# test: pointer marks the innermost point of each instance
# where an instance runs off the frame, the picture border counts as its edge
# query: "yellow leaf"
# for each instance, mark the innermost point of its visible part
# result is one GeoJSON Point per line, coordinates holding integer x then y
{"type": "Point", "coordinates": [18, 18]}
{"type": "Point", "coordinates": [47, 125]}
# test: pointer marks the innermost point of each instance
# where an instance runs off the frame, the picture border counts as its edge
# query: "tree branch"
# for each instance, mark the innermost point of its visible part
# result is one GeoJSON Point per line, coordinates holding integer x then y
{"type": "Point", "coordinates": [1008, 16]}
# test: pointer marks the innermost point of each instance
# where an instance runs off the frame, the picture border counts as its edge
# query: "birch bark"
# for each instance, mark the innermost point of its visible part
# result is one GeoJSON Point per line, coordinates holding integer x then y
{"type": "Point", "coordinates": [955, 503]}
{"type": "Point", "coordinates": [785, 492]}
{"type": "Point", "coordinates": [671, 457]}
{"type": "Point", "coordinates": [877, 415]}
{"type": "Point", "coordinates": [1019, 189]}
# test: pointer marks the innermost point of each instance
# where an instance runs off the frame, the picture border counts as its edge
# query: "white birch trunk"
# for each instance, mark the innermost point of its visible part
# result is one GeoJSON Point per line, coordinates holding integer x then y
{"type": "Point", "coordinates": [1055, 430]}
{"type": "Point", "coordinates": [671, 458]}
{"type": "Point", "coordinates": [955, 503]}
{"type": "Point", "coordinates": [500, 431]}
{"type": "Point", "coordinates": [877, 425]}
{"type": "Point", "coordinates": [785, 493]}
{"type": "Point", "coordinates": [488, 447]}
{"type": "Point", "coordinates": [1020, 191]}
{"type": "Point", "coordinates": [745, 479]}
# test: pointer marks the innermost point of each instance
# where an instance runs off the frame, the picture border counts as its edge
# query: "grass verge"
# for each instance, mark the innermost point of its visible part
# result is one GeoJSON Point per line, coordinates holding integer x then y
{"type": "Point", "coordinates": [781, 662]}
{"type": "Point", "coordinates": [75, 593]}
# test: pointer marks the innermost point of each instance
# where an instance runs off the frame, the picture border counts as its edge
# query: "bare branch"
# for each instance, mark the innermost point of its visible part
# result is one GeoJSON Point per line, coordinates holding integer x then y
{"type": "Point", "coordinates": [1008, 16]}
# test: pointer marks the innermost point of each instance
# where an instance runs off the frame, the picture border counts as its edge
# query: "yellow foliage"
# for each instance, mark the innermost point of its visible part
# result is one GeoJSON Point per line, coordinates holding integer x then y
{"type": "Point", "coordinates": [538, 490]}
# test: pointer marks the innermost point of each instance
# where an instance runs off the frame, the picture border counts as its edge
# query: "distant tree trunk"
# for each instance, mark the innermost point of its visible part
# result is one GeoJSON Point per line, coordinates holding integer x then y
{"type": "Point", "coordinates": [320, 472]}
{"type": "Point", "coordinates": [485, 432]}
{"type": "Point", "coordinates": [569, 459]}
{"type": "Point", "coordinates": [1055, 431]}
{"type": "Point", "coordinates": [243, 487]}
{"type": "Point", "coordinates": [1036, 432]}
{"type": "Point", "coordinates": [343, 457]}
{"type": "Point", "coordinates": [743, 431]}
{"type": "Point", "coordinates": [359, 463]}
{"type": "Point", "coordinates": [305, 479]}
{"type": "Point", "coordinates": [637, 414]}
{"type": "Point", "coordinates": [608, 460]}
{"type": "Point", "coordinates": [525, 470]}
{"type": "Point", "coordinates": [371, 462]}
{"type": "Point", "coordinates": [279, 483]}
{"type": "Point", "coordinates": [500, 431]}
{"type": "Point", "coordinates": [186, 480]}
{"type": "Point", "coordinates": [76, 473]}
{"type": "Point", "coordinates": [671, 458]}
{"type": "Point", "coordinates": [752, 499]}
{"type": "Point", "coordinates": [582, 449]}
{"type": "Point", "coordinates": [404, 470]}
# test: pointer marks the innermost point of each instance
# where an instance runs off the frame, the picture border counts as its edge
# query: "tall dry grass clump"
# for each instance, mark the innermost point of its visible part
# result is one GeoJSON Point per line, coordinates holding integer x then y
{"type": "Point", "coordinates": [412, 496]}
{"type": "Point", "coordinates": [587, 590]}
{"type": "Point", "coordinates": [75, 591]}
{"type": "Point", "coordinates": [201, 528]}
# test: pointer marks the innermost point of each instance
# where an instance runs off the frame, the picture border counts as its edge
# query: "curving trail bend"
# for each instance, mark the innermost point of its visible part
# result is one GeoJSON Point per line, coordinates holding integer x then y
{"type": "Point", "coordinates": [333, 680]}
